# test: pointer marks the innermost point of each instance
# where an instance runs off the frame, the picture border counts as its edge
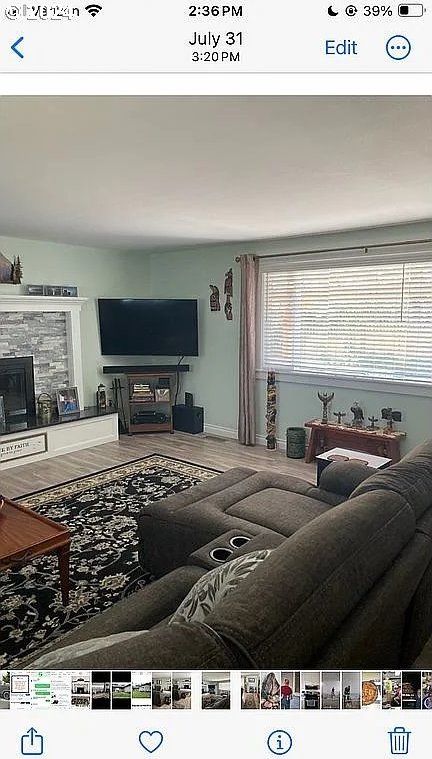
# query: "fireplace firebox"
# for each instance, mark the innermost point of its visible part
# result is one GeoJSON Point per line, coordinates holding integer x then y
{"type": "Point", "coordinates": [17, 388]}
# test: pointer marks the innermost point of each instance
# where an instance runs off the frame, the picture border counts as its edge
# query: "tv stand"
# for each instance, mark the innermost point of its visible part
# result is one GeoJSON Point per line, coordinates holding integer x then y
{"type": "Point", "coordinates": [150, 396]}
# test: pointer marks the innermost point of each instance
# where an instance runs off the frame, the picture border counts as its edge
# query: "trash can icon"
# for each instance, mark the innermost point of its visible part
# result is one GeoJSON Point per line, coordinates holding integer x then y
{"type": "Point", "coordinates": [399, 741]}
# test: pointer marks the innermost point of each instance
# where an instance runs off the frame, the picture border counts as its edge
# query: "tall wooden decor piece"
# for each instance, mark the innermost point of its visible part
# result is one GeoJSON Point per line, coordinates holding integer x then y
{"type": "Point", "coordinates": [271, 411]}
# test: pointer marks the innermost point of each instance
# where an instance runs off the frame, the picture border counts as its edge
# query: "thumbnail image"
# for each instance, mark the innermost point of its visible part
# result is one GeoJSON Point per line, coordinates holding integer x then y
{"type": "Point", "coordinates": [161, 690]}
{"type": "Point", "coordinates": [141, 689]}
{"type": "Point", "coordinates": [101, 690]}
{"type": "Point", "coordinates": [60, 689]}
{"type": "Point", "coordinates": [40, 689]}
{"type": "Point", "coordinates": [250, 690]}
{"type": "Point", "coordinates": [4, 690]}
{"type": "Point", "coordinates": [80, 689]}
{"type": "Point", "coordinates": [411, 690]}
{"type": "Point", "coordinates": [20, 697]}
{"type": "Point", "coordinates": [216, 689]}
{"type": "Point", "coordinates": [391, 689]}
{"type": "Point", "coordinates": [331, 690]}
{"type": "Point", "coordinates": [371, 690]}
{"type": "Point", "coordinates": [181, 690]}
{"type": "Point", "coordinates": [310, 685]}
{"type": "Point", "coordinates": [290, 690]}
{"type": "Point", "coordinates": [121, 690]}
{"type": "Point", "coordinates": [351, 690]}
{"type": "Point", "coordinates": [426, 690]}
{"type": "Point", "coordinates": [270, 690]}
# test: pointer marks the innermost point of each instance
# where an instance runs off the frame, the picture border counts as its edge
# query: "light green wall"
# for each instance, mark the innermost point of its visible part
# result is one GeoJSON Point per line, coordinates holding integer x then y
{"type": "Point", "coordinates": [96, 272]}
{"type": "Point", "coordinates": [187, 274]}
{"type": "Point", "coordinates": [214, 375]}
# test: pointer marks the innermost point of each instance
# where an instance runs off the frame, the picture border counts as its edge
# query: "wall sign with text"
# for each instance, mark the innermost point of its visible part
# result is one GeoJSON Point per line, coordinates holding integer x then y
{"type": "Point", "coordinates": [24, 446]}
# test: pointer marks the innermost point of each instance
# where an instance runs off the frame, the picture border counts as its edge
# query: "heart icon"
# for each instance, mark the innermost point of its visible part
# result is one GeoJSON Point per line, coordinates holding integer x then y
{"type": "Point", "coordinates": [151, 740]}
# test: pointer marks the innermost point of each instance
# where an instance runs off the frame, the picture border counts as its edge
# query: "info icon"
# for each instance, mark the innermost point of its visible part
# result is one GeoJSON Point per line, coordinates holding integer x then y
{"type": "Point", "coordinates": [279, 742]}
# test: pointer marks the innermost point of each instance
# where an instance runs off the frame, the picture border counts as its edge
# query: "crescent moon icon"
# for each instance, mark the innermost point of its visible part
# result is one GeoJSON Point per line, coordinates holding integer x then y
{"type": "Point", "coordinates": [331, 12]}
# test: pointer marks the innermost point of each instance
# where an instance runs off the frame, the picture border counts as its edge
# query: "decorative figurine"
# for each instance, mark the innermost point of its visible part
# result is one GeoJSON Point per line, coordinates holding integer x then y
{"type": "Point", "coordinates": [372, 419]}
{"type": "Point", "coordinates": [214, 298]}
{"type": "Point", "coordinates": [390, 416]}
{"type": "Point", "coordinates": [228, 291]}
{"type": "Point", "coordinates": [101, 397]}
{"type": "Point", "coordinates": [339, 415]}
{"type": "Point", "coordinates": [358, 417]}
{"type": "Point", "coordinates": [271, 411]}
{"type": "Point", "coordinates": [10, 273]}
{"type": "Point", "coordinates": [326, 399]}
{"type": "Point", "coordinates": [17, 271]}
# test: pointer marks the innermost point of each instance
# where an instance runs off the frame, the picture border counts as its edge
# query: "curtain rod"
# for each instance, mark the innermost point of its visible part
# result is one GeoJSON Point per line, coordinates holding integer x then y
{"type": "Point", "coordinates": [344, 247]}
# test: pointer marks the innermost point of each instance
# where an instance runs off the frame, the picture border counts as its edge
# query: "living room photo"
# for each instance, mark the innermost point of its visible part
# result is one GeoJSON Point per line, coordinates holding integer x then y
{"type": "Point", "coordinates": [215, 392]}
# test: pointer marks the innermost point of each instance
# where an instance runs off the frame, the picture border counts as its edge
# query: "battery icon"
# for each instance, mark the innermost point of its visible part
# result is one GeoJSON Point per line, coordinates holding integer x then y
{"type": "Point", "coordinates": [411, 10]}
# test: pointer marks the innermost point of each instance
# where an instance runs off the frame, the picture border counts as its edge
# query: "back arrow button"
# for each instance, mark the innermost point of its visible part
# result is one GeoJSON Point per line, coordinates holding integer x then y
{"type": "Point", "coordinates": [15, 46]}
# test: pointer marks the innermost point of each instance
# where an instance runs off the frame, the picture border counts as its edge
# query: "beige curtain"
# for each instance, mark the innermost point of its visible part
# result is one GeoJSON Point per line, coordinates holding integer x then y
{"type": "Point", "coordinates": [248, 296]}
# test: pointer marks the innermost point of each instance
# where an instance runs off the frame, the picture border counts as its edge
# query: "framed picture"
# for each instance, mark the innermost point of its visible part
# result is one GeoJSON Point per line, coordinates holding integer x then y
{"type": "Point", "coordinates": [162, 394]}
{"type": "Point", "coordinates": [19, 448]}
{"type": "Point", "coordinates": [69, 292]}
{"type": "Point", "coordinates": [67, 401]}
{"type": "Point", "coordinates": [35, 289]}
{"type": "Point", "coordinates": [52, 290]}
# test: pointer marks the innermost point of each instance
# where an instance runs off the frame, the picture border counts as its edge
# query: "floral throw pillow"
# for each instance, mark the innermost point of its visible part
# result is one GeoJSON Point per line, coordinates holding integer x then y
{"type": "Point", "coordinates": [215, 585]}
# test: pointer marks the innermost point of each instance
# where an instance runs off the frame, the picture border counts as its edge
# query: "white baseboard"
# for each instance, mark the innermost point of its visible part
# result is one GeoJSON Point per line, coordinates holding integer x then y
{"type": "Point", "coordinates": [213, 429]}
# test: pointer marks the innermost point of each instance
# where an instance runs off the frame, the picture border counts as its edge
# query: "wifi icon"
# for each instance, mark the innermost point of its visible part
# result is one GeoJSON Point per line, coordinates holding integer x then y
{"type": "Point", "coordinates": [93, 9]}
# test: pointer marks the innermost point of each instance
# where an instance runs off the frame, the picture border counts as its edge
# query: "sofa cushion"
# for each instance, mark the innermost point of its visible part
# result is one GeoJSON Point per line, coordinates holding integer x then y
{"type": "Point", "coordinates": [172, 529]}
{"type": "Point", "coordinates": [296, 600]}
{"type": "Point", "coordinates": [279, 510]}
{"type": "Point", "coordinates": [344, 476]}
{"type": "Point", "coordinates": [215, 585]}
{"type": "Point", "coordinates": [411, 478]}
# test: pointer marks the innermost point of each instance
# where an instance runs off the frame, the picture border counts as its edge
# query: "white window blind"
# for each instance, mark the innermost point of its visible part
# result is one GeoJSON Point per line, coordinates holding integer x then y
{"type": "Point", "coordinates": [361, 321]}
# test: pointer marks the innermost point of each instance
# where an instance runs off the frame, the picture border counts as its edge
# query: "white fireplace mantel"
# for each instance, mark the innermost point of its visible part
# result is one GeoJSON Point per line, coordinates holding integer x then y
{"type": "Point", "coordinates": [71, 307]}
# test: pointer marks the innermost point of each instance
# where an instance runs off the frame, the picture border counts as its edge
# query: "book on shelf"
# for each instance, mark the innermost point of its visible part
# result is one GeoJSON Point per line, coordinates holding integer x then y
{"type": "Point", "coordinates": [142, 391]}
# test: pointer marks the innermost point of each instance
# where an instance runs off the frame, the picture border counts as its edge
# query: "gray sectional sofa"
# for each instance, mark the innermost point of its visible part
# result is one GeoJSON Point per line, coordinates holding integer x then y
{"type": "Point", "coordinates": [348, 583]}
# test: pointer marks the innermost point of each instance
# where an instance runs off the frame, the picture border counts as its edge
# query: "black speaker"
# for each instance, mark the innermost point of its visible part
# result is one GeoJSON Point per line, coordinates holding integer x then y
{"type": "Point", "coordinates": [188, 400]}
{"type": "Point", "coordinates": [188, 419]}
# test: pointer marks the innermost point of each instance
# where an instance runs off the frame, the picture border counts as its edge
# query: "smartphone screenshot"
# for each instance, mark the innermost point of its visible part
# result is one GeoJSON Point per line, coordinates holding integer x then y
{"type": "Point", "coordinates": [215, 379]}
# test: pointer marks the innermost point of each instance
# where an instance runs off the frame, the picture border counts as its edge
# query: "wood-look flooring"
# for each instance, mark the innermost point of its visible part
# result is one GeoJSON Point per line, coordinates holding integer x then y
{"type": "Point", "coordinates": [206, 450]}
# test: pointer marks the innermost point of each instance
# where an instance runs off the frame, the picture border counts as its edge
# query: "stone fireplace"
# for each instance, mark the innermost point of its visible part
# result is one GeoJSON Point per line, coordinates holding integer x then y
{"type": "Point", "coordinates": [48, 330]}
{"type": "Point", "coordinates": [40, 342]}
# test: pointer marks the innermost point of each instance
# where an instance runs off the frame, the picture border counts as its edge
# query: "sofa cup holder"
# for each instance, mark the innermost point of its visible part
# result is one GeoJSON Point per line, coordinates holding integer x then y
{"type": "Point", "coordinates": [220, 554]}
{"type": "Point", "coordinates": [239, 540]}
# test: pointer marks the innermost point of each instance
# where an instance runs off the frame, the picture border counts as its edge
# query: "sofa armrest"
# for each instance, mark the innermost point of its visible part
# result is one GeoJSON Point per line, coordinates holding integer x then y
{"type": "Point", "coordinates": [342, 477]}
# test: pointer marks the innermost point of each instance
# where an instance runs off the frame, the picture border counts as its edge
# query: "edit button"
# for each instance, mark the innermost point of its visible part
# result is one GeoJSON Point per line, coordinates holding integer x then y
{"type": "Point", "coordinates": [341, 47]}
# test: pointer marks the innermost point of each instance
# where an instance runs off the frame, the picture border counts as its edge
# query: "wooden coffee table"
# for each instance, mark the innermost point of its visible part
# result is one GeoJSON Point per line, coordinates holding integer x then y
{"type": "Point", "coordinates": [24, 534]}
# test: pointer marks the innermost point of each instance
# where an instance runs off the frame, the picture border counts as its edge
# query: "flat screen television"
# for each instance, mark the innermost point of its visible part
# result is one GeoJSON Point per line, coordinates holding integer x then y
{"type": "Point", "coordinates": [137, 327]}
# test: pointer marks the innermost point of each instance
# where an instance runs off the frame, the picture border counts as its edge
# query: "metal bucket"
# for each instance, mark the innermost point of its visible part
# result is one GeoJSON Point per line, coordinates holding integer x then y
{"type": "Point", "coordinates": [295, 442]}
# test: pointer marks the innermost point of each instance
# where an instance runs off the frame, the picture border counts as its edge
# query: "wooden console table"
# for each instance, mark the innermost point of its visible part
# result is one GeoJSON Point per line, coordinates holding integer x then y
{"type": "Point", "coordinates": [326, 436]}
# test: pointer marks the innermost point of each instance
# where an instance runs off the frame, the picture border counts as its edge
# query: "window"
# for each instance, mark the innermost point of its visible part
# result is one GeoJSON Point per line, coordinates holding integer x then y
{"type": "Point", "coordinates": [368, 321]}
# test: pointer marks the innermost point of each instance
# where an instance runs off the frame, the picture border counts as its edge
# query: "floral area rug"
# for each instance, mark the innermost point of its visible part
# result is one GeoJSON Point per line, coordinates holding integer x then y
{"type": "Point", "coordinates": [101, 511]}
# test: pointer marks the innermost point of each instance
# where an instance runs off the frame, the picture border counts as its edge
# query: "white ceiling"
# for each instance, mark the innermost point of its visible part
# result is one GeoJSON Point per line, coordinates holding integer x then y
{"type": "Point", "coordinates": [150, 172]}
